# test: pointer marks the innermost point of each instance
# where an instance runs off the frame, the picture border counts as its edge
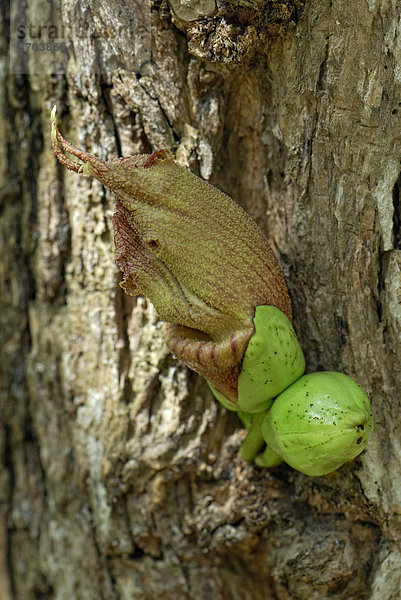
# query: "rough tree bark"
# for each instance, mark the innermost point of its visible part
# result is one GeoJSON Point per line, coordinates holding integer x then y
{"type": "Point", "coordinates": [120, 476]}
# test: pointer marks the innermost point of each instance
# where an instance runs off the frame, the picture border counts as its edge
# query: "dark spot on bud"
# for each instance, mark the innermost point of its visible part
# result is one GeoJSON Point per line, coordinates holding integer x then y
{"type": "Point", "coordinates": [153, 244]}
{"type": "Point", "coordinates": [359, 440]}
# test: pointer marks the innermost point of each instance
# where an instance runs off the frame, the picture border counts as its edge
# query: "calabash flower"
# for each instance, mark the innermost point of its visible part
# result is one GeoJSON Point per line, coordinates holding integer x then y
{"type": "Point", "coordinates": [196, 254]}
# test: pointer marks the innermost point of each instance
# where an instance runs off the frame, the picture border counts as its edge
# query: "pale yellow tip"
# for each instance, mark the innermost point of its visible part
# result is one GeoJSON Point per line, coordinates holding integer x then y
{"type": "Point", "coordinates": [53, 123]}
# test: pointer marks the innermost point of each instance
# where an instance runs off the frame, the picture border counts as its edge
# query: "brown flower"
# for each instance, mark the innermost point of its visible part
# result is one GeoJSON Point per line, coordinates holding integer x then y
{"type": "Point", "coordinates": [200, 259]}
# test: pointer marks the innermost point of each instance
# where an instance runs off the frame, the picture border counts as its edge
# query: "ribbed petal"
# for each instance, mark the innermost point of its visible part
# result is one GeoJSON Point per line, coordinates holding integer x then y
{"type": "Point", "coordinates": [200, 259]}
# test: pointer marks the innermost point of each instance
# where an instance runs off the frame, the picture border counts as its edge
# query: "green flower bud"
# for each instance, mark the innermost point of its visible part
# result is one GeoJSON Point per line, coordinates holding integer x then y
{"type": "Point", "coordinates": [272, 361]}
{"type": "Point", "coordinates": [318, 423]}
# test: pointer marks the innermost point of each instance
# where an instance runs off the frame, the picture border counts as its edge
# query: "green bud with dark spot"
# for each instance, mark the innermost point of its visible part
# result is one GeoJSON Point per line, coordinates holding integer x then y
{"type": "Point", "coordinates": [273, 360]}
{"type": "Point", "coordinates": [320, 422]}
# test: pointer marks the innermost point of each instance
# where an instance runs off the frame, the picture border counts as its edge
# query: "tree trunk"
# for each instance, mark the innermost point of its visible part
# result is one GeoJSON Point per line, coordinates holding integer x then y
{"type": "Point", "coordinates": [120, 477]}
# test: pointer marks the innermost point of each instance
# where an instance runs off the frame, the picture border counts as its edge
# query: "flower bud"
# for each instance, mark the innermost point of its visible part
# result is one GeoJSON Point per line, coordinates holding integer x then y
{"type": "Point", "coordinates": [318, 423]}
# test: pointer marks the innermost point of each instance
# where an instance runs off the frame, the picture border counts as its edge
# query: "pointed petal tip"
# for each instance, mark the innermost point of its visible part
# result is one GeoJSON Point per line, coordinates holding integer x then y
{"type": "Point", "coordinates": [53, 124]}
{"type": "Point", "coordinates": [61, 146]}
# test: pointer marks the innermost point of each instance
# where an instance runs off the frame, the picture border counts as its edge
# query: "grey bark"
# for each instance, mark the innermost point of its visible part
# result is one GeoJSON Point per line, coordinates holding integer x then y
{"type": "Point", "coordinates": [119, 476]}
